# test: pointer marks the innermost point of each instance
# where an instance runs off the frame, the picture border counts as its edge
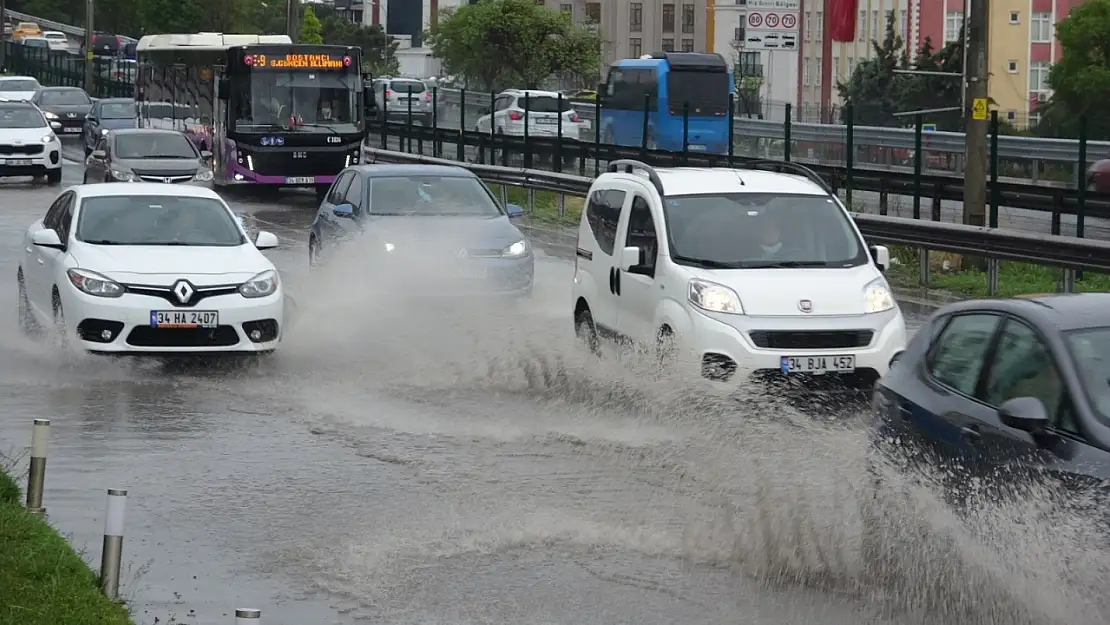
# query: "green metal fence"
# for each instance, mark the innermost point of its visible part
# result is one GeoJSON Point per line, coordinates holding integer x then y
{"type": "Point", "coordinates": [112, 77]}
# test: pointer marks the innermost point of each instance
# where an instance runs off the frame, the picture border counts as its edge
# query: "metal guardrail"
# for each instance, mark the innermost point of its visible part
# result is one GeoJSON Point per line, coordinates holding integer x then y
{"type": "Point", "coordinates": [931, 188]}
{"type": "Point", "coordinates": [75, 31]}
{"type": "Point", "coordinates": [995, 243]}
{"type": "Point", "coordinates": [1009, 147]}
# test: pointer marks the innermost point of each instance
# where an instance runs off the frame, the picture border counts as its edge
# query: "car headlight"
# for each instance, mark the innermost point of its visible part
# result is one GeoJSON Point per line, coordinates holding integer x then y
{"type": "Point", "coordinates": [389, 247]}
{"type": "Point", "coordinates": [123, 176]}
{"type": "Point", "coordinates": [49, 138]}
{"type": "Point", "coordinates": [265, 283]}
{"type": "Point", "coordinates": [878, 297]}
{"type": "Point", "coordinates": [103, 132]}
{"type": "Point", "coordinates": [516, 250]}
{"type": "Point", "coordinates": [203, 176]}
{"type": "Point", "coordinates": [50, 115]}
{"type": "Point", "coordinates": [93, 283]}
{"type": "Point", "coordinates": [714, 297]}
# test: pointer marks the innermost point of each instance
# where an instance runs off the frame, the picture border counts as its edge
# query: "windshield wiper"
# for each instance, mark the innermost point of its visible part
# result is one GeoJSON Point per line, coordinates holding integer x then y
{"type": "Point", "coordinates": [786, 264]}
{"type": "Point", "coordinates": [333, 130]}
{"type": "Point", "coordinates": [101, 242]}
{"type": "Point", "coordinates": [705, 263]}
{"type": "Point", "coordinates": [167, 156]}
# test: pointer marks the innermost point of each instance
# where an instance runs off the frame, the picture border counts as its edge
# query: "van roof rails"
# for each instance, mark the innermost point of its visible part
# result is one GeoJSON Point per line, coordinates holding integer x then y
{"type": "Point", "coordinates": [628, 166]}
{"type": "Point", "coordinates": [788, 167]}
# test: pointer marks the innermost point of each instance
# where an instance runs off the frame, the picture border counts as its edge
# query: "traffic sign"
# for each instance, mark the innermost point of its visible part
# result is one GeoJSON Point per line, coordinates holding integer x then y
{"type": "Point", "coordinates": [979, 109]}
{"type": "Point", "coordinates": [789, 20]}
{"type": "Point", "coordinates": [928, 127]}
{"type": "Point", "coordinates": [755, 20]}
{"type": "Point", "coordinates": [772, 20]}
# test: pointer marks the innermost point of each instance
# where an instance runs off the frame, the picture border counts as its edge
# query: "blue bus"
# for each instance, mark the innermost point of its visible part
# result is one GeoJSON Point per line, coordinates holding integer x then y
{"type": "Point", "coordinates": [674, 81]}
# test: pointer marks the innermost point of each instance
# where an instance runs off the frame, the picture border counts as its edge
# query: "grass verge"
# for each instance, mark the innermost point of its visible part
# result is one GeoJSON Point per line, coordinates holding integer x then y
{"type": "Point", "coordinates": [947, 273]}
{"type": "Point", "coordinates": [43, 581]}
{"type": "Point", "coordinates": [545, 206]}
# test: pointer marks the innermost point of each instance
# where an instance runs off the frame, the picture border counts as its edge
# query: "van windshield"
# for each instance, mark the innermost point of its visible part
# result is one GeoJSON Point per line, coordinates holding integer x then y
{"type": "Point", "coordinates": [761, 230]}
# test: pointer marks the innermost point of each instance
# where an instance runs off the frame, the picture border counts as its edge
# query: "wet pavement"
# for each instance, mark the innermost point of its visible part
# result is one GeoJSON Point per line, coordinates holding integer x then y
{"type": "Point", "coordinates": [401, 465]}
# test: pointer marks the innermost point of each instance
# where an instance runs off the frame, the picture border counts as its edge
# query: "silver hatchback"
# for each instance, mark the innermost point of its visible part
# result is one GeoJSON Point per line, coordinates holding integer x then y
{"type": "Point", "coordinates": [400, 97]}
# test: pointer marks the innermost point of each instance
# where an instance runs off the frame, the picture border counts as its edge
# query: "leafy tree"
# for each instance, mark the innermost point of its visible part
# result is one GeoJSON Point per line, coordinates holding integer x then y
{"type": "Point", "coordinates": [502, 42]}
{"type": "Point", "coordinates": [874, 90]}
{"type": "Point", "coordinates": [1081, 79]}
{"type": "Point", "coordinates": [378, 49]}
{"type": "Point", "coordinates": [924, 92]}
{"type": "Point", "coordinates": [312, 31]}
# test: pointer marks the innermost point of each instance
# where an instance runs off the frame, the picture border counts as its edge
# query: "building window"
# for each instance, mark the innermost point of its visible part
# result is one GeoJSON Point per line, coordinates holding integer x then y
{"type": "Point", "coordinates": [808, 25]}
{"type": "Point", "coordinates": [1011, 115]}
{"type": "Point", "coordinates": [1015, 17]}
{"type": "Point", "coordinates": [1038, 75]}
{"type": "Point", "coordinates": [902, 17]}
{"type": "Point", "coordinates": [668, 44]}
{"type": "Point", "coordinates": [636, 17]}
{"type": "Point", "coordinates": [635, 47]}
{"type": "Point", "coordinates": [820, 25]}
{"type": "Point", "coordinates": [875, 26]}
{"type": "Point", "coordinates": [836, 67]}
{"type": "Point", "coordinates": [953, 26]}
{"type": "Point", "coordinates": [687, 18]}
{"type": "Point", "coordinates": [805, 72]}
{"type": "Point", "coordinates": [749, 64]}
{"type": "Point", "coordinates": [687, 45]}
{"type": "Point", "coordinates": [817, 72]}
{"type": "Point", "coordinates": [862, 26]}
{"type": "Point", "coordinates": [593, 12]}
{"type": "Point", "coordinates": [567, 8]}
{"type": "Point", "coordinates": [1011, 66]}
{"type": "Point", "coordinates": [1040, 28]}
{"type": "Point", "coordinates": [668, 18]}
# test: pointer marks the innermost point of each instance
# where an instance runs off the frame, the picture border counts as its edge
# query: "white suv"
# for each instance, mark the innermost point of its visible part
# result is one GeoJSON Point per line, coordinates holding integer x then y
{"type": "Point", "coordinates": [545, 112]}
{"type": "Point", "coordinates": [745, 269]}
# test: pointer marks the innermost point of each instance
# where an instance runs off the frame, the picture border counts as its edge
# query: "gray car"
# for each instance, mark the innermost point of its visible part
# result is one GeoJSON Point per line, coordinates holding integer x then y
{"type": "Point", "coordinates": [400, 97]}
{"type": "Point", "coordinates": [147, 155]}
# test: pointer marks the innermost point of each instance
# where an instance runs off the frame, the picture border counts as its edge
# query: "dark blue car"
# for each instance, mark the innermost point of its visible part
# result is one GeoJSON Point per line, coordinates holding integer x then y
{"type": "Point", "coordinates": [1006, 390]}
{"type": "Point", "coordinates": [107, 114]}
{"type": "Point", "coordinates": [439, 227]}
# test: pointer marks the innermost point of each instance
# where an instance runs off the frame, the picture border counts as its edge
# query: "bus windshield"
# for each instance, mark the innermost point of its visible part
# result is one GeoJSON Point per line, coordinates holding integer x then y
{"type": "Point", "coordinates": [301, 100]}
{"type": "Point", "coordinates": [707, 93]}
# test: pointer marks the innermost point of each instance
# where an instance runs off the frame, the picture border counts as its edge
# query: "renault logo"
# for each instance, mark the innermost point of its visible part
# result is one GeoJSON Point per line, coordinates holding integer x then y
{"type": "Point", "coordinates": [183, 290]}
{"type": "Point", "coordinates": [805, 306]}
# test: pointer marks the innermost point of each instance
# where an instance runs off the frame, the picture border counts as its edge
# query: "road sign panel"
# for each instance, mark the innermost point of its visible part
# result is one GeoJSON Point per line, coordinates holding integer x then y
{"type": "Point", "coordinates": [979, 109]}
{"type": "Point", "coordinates": [771, 19]}
{"type": "Point", "coordinates": [789, 20]}
{"type": "Point", "coordinates": [755, 20]}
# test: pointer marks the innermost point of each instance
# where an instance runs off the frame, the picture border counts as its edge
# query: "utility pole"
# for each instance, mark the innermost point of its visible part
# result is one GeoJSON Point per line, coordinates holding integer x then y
{"type": "Point", "coordinates": [89, 46]}
{"type": "Point", "coordinates": [976, 151]}
{"type": "Point", "coordinates": [4, 24]}
{"type": "Point", "coordinates": [293, 19]}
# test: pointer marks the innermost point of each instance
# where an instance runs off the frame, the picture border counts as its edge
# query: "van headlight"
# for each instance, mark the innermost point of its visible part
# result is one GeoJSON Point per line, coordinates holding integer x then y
{"type": "Point", "coordinates": [516, 250]}
{"type": "Point", "coordinates": [263, 284]}
{"type": "Point", "coordinates": [50, 115]}
{"type": "Point", "coordinates": [877, 297]}
{"type": "Point", "coordinates": [714, 297]}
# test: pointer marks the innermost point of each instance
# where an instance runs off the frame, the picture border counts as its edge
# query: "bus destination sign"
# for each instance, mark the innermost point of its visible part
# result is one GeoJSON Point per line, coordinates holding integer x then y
{"type": "Point", "coordinates": [296, 61]}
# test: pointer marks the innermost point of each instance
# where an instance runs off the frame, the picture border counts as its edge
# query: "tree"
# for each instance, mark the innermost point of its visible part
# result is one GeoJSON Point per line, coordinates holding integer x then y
{"type": "Point", "coordinates": [312, 31]}
{"type": "Point", "coordinates": [378, 49]}
{"type": "Point", "coordinates": [874, 90]}
{"type": "Point", "coordinates": [512, 42]}
{"type": "Point", "coordinates": [925, 92]}
{"type": "Point", "coordinates": [1081, 79]}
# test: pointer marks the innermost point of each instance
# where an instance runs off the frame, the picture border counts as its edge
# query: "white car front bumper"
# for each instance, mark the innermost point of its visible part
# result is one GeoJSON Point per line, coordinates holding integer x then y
{"type": "Point", "coordinates": [123, 325]}
{"type": "Point", "coordinates": [759, 344]}
{"type": "Point", "coordinates": [49, 159]}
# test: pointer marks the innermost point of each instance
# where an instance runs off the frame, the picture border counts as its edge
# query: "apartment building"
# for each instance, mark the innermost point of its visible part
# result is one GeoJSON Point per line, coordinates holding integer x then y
{"type": "Point", "coordinates": [1022, 49]}
{"type": "Point", "coordinates": [629, 29]}
{"type": "Point", "coordinates": [805, 71]}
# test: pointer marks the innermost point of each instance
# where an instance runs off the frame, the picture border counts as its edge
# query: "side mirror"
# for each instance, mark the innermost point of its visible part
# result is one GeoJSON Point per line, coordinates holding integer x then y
{"type": "Point", "coordinates": [344, 210]}
{"type": "Point", "coordinates": [47, 238]}
{"type": "Point", "coordinates": [98, 154]}
{"type": "Point", "coordinates": [205, 154]}
{"type": "Point", "coordinates": [266, 240]}
{"type": "Point", "coordinates": [56, 125]}
{"type": "Point", "coordinates": [1023, 413]}
{"type": "Point", "coordinates": [630, 257]}
{"type": "Point", "coordinates": [514, 211]}
{"type": "Point", "coordinates": [91, 118]}
{"type": "Point", "coordinates": [881, 255]}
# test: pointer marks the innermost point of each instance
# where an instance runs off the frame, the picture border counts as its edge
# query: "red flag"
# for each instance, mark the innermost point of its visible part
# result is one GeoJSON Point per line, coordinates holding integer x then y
{"type": "Point", "coordinates": [841, 19]}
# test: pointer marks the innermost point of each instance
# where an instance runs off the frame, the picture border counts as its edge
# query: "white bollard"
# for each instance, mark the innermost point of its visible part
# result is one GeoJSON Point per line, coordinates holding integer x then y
{"type": "Point", "coordinates": [112, 554]}
{"type": "Point", "coordinates": [248, 616]}
{"type": "Point", "coordinates": [36, 477]}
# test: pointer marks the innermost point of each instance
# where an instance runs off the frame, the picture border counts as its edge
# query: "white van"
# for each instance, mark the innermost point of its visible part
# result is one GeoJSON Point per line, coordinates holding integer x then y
{"type": "Point", "coordinates": [744, 269]}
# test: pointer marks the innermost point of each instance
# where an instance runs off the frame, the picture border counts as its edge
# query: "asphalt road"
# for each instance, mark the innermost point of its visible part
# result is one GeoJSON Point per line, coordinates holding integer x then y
{"type": "Point", "coordinates": [897, 205]}
{"type": "Point", "coordinates": [412, 465]}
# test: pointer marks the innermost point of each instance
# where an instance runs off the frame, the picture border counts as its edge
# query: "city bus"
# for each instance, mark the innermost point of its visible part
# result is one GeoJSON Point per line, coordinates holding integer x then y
{"type": "Point", "coordinates": [672, 85]}
{"type": "Point", "coordinates": [272, 113]}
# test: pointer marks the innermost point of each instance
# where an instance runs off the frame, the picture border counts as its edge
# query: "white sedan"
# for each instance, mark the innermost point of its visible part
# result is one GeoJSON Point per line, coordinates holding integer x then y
{"type": "Point", "coordinates": [149, 268]}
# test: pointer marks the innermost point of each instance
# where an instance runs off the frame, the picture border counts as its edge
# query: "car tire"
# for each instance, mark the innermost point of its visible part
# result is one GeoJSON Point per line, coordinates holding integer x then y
{"type": "Point", "coordinates": [314, 259]}
{"type": "Point", "coordinates": [59, 320]}
{"type": "Point", "coordinates": [586, 331]}
{"type": "Point", "coordinates": [666, 347]}
{"type": "Point", "coordinates": [88, 151]}
{"type": "Point", "coordinates": [27, 322]}
{"type": "Point", "coordinates": [54, 177]}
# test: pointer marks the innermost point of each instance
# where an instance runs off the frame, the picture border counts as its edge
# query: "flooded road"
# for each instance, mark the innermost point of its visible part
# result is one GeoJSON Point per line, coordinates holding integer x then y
{"type": "Point", "coordinates": [395, 464]}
